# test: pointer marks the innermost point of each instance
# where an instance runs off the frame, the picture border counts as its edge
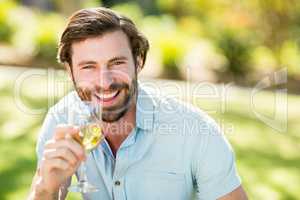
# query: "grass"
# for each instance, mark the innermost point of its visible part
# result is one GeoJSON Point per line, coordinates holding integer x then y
{"type": "Point", "coordinates": [268, 160]}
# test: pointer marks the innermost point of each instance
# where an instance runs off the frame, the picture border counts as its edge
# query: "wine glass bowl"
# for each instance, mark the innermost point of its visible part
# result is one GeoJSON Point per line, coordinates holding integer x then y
{"type": "Point", "coordinates": [91, 135]}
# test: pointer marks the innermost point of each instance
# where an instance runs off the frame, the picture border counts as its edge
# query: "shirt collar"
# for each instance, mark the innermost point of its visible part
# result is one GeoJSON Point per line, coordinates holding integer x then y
{"type": "Point", "coordinates": [144, 118]}
{"type": "Point", "coordinates": [144, 109]}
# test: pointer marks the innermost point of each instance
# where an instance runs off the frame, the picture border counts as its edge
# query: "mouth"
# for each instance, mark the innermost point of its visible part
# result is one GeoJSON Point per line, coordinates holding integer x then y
{"type": "Point", "coordinates": [107, 97]}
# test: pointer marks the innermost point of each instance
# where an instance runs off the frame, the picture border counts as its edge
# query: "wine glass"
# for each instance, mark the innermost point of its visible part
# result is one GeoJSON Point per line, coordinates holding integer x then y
{"type": "Point", "coordinates": [90, 135]}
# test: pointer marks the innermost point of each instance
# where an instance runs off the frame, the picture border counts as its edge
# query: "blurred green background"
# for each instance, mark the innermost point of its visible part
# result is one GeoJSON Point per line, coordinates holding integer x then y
{"type": "Point", "coordinates": [225, 42]}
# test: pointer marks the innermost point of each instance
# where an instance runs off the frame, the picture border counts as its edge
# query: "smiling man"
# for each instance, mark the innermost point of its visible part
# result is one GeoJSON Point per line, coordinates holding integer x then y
{"type": "Point", "coordinates": [154, 148]}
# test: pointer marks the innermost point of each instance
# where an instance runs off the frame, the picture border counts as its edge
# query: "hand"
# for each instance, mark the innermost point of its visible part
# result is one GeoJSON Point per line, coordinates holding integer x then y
{"type": "Point", "coordinates": [62, 156]}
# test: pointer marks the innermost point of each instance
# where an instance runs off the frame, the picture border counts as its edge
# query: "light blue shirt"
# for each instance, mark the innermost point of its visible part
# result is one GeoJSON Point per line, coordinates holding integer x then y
{"type": "Point", "coordinates": [175, 152]}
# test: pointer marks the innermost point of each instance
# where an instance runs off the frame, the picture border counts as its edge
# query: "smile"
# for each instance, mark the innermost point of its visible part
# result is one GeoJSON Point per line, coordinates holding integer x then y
{"type": "Point", "coordinates": [107, 96]}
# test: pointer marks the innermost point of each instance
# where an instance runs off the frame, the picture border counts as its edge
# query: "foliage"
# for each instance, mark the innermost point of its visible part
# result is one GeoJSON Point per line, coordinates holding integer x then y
{"type": "Point", "coordinates": [237, 53]}
{"type": "Point", "coordinates": [36, 39]}
{"type": "Point", "coordinates": [263, 60]}
{"type": "Point", "coordinates": [240, 28]}
{"type": "Point", "coordinates": [46, 41]}
{"type": "Point", "coordinates": [131, 10]}
{"type": "Point", "coordinates": [255, 37]}
{"type": "Point", "coordinates": [6, 28]}
{"type": "Point", "coordinates": [290, 58]}
{"type": "Point", "coordinates": [169, 40]}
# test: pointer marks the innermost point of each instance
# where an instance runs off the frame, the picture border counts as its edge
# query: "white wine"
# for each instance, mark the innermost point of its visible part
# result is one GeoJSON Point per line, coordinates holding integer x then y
{"type": "Point", "coordinates": [91, 135]}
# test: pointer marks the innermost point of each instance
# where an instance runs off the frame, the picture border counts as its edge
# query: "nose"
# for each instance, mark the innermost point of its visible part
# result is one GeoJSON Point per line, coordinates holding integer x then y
{"type": "Point", "coordinates": [104, 79]}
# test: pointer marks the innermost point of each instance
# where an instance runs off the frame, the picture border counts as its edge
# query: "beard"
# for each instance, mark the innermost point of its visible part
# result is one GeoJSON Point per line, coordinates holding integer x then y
{"type": "Point", "coordinates": [127, 95]}
{"type": "Point", "coordinates": [116, 112]}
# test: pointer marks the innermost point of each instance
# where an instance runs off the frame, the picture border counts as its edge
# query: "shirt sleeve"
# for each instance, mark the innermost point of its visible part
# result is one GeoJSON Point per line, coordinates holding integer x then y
{"type": "Point", "coordinates": [45, 133]}
{"type": "Point", "coordinates": [214, 169]}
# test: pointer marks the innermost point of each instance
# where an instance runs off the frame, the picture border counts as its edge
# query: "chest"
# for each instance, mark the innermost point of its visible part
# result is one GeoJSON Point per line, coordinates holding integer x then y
{"type": "Point", "coordinates": [146, 173]}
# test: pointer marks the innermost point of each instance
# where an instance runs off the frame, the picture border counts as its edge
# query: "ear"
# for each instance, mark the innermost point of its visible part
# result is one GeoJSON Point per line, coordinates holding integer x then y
{"type": "Point", "coordinates": [139, 62]}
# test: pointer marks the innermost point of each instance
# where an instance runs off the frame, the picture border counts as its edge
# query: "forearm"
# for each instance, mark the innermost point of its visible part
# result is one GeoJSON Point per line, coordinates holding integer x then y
{"type": "Point", "coordinates": [39, 193]}
{"type": "Point", "coordinates": [39, 196]}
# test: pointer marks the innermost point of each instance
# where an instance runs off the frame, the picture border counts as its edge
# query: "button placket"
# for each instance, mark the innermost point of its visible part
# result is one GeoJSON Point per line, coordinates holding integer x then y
{"type": "Point", "coordinates": [118, 181]}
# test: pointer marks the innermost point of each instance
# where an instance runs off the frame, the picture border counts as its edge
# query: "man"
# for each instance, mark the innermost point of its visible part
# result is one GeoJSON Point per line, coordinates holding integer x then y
{"type": "Point", "coordinates": [154, 148]}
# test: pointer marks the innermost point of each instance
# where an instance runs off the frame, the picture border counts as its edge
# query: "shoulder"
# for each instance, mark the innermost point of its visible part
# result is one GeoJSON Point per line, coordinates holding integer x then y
{"type": "Point", "coordinates": [65, 103]}
{"type": "Point", "coordinates": [187, 118]}
{"type": "Point", "coordinates": [175, 119]}
{"type": "Point", "coordinates": [186, 128]}
{"type": "Point", "coordinates": [58, 114]}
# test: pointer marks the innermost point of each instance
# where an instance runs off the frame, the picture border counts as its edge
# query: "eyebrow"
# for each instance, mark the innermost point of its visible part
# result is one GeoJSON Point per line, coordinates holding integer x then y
{"type": "Point", "coordinates": [117, 58]}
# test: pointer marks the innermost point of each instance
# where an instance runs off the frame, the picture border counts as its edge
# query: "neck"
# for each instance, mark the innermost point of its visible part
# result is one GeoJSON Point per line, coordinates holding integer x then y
{"type": "Point", "coordinates": [117, 132]}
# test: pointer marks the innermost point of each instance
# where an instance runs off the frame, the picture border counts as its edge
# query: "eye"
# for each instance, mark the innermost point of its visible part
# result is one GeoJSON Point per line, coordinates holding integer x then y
{"type": "Point", "coordinates": [118, 63]}
{"type": "Point", "coordinates": [88, 67]}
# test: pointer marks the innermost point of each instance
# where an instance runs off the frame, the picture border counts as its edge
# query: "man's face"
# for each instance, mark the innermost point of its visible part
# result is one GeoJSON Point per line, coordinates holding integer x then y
{"type": "Point", "coordinates": [104, 72]}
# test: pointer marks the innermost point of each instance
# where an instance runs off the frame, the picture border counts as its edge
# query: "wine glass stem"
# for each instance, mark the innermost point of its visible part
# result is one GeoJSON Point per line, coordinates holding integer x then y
{"type": "Point", "coordinates": [83, 176]}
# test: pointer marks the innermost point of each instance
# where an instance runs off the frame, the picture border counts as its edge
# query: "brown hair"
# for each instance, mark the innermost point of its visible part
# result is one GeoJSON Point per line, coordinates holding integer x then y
{"type": "Point", "coordinates": [94, 22]}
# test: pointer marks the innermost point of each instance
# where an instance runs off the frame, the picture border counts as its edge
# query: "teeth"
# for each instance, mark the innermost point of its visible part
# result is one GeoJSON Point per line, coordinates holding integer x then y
{"type": "Point", "coordinates": [107, 95]}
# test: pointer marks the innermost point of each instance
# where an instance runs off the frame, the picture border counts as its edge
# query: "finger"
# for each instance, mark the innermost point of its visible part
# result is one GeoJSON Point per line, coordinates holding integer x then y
{"type": "Point", "coordinates": [56, 163]}
{"type": "Point", "coordinates": [63, 153]}
{"type": "Point", "coordinates": [74, 135]}
{"type": "Point", "coordinates": [63, 129]}
{"type": "Point", "coordinates": [71, 144]}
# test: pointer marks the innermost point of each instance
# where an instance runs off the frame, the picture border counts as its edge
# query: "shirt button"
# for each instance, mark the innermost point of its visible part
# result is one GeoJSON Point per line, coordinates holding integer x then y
{"type": "Point", "coordinates": [117, 183]}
